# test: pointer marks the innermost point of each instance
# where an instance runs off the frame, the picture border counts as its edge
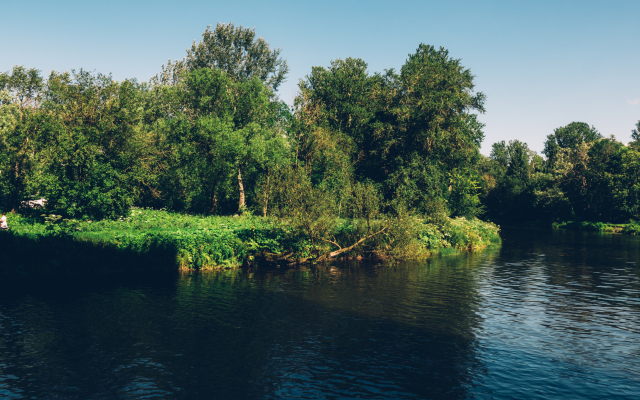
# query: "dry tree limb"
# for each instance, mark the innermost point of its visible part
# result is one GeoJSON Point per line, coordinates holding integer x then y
{"type": "Point", "coordinates": [343, 250]}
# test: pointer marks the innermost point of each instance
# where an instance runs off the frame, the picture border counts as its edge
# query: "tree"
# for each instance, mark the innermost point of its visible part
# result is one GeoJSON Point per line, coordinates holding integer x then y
{"type": "Point", "coordinates": [234, 50]}
{"type": "Point", "coordinates": [225, 125]}
{"type": "Point", "coordinates": [8, 113]}
{"type": "Point", "coordinates": [626, 182]}
{"type": "Point", "coordinates": [338, 109]}
{"type": "Point", "coordinates": [635, 135]}
{"type": "Point", "coordinates": [20, 93]}
{"type": "Point", "coordinates": [24, 85]}
{"type": "Point", "coordinates": [599, 201]}
{"type": "Point", "coordinates": [414, 133]}
{"type": "Point", "coordinates": [569, 137]}
{"type": "Point", "coordinates": [511, 167]}
{"type": "Point", "coordinates": [438, 129]}
{"type": "Point", "coordinates": [92, 144]}
{"type": "Point", "coordinates": [350, 103]}
{"type": "Point", "coordinates": [499, 159]}
{"type": "Point", "coordinates": [241, 56]}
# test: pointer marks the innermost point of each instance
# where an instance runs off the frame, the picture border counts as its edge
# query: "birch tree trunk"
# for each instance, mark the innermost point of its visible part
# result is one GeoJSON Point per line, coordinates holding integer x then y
{"type": "Point", "coordinates": [266, 197]}
{"type": "Point", "coordinates": [241, 205]}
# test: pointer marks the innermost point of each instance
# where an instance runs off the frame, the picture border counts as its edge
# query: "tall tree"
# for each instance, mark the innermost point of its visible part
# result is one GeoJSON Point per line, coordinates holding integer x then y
{"type": "Point", "coordinates": [225, 125]}
{"type": "Point", "coordinates": [569, 137]}
{"type": "Point", "coordinates": [20, 94]}
{"type": "Point", "coordinates": [635, 135]}
{"type": "Point", "coordinates": [438, 130]}
{"type": "Point", "coordinates": [92, 144]}
{"type": "Point", "coordinates": [340, 111]}
{"type": "Point", "coordinates": [235, 50]}
{"type": "Point", "coordinates": [24, 85]}
{"type": "Point", "coordinates": [511, 168]}
{"type": "Point", "coordinates": [414, 133]}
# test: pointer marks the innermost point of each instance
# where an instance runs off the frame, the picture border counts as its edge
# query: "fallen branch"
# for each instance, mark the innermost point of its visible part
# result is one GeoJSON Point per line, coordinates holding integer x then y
{"type": "Point", "coordinates": [334, 243]}
{"type": "Point", "coordinates": [343, 250]}
{"type": "Point", "coordinates": [277, 257]}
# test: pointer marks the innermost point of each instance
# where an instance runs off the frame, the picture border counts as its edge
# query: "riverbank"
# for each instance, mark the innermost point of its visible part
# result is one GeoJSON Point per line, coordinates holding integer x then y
{"type": "Point", "coordinates": [631, 228]}
{"type": "Point", "coordinates": [150, 240]}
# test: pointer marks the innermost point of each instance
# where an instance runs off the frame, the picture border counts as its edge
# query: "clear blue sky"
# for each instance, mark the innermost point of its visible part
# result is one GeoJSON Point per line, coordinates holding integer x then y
{"type": "Point", "coordinates": [542, 64]}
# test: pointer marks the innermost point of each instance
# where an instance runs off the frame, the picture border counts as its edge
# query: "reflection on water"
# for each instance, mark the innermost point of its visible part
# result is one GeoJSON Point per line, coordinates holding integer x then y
{"type": "Point", "coordinates": [550, 314]}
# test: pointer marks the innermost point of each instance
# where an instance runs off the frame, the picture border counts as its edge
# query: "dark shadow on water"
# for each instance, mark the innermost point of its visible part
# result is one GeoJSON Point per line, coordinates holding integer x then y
{"type": "Point", "coordinates": [61, 256]}
{"type": "Point", "coordinates": [345, 330]}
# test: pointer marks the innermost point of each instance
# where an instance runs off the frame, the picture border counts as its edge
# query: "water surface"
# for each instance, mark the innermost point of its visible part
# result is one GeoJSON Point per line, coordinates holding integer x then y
{"type": "Point", "coordinates": [550, 314]}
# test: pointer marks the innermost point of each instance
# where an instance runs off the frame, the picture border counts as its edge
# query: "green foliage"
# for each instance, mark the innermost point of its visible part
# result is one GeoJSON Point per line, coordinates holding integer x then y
{"type": "Point", "coordinates": [234, 50]}
{"type": "Point", "coordinates": [57, 225]}
{"type": "Point", "coordinates": [635, 135]}
{"type": "Point", "coordinates": [199, 242]}
{"type": "Point", "coordinates": [91, 144]}
{"type": "Point", "coordinates": [466, 234]}
{"type": "Point", "coordinates": [413, 134]}
{"type": "Point", "coordinates": [584, 177]}
{"type": "Point", "coordinates": [569, 137]}
{"type": "Point", "coordinates": [632, 228]}
{"type": "Point", "coordinates": [23, 85]}
{"type": "Point", "coordinates": [586, 226]}
{"type": "Point", "coordinates": [225, 130]}
{"type": "Point", "coordinates": [362, 165]}
{"type": "Point", "coordinates": [511, 173]}
{"type": "Point", "coordinates": [20, 95]}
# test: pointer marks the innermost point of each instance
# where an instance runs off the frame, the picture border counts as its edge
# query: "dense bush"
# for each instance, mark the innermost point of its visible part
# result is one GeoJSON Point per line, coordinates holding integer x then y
{"type": "Point", "coordinates": [632, 228]}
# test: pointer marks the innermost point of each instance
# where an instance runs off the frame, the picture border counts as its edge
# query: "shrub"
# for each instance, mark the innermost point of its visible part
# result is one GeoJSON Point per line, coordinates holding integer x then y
{"type": "Point", "coordinates": [633, 228]}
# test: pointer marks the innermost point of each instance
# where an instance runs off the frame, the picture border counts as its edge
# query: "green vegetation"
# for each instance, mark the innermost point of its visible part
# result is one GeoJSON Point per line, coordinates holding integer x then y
{"type": "Point", "coordinates": [585, 177]}
{"type": "Point", "coordinates": [52, 243]}
{"type": "Point", "coordinates": [208, 135]}
{"type": "Point", "coordinates": [632, 228]}
{"type": "Point", "coordinates": [362, 164]}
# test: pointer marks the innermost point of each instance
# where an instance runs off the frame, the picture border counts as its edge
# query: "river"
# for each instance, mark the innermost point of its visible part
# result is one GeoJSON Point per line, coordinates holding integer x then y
{"type": "Point", "coordinates": [550, 314]}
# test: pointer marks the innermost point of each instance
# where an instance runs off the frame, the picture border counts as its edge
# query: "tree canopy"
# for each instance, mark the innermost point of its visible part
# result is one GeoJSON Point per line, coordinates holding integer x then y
{"type": "Point", "coordinates": [413, 133]}
{"type": "Point", "coordinates": [232, 49]}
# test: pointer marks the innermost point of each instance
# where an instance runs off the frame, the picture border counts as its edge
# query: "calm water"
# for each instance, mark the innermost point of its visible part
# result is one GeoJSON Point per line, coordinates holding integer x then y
{"type": "Point", "coordinates": [549, 315]}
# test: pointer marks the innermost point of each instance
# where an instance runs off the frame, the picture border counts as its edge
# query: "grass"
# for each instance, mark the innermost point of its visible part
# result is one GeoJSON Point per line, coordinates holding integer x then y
{"type": "Point", "coordinates": [168, 240]}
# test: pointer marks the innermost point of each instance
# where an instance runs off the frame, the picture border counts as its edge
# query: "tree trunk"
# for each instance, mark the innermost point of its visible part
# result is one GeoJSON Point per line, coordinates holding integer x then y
{"type": "Point", "coordinates": [266, 198]}
{"type": "Point", "coordinates": [214, 204]}
{"type": "Point", "coordinates": [241, 205]}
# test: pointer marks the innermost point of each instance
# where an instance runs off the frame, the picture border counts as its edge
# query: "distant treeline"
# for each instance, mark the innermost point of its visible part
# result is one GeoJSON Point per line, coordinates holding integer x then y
{"type": "Point", "coordinates": [209, 135]}
{"type": "Point", "coordinates": [584, 177]}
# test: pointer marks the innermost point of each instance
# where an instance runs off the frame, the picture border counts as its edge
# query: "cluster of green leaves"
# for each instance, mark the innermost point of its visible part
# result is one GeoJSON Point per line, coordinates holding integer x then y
{"type": "Point", "coordinates": [632, 228]}
{"type": "Point", "coordinates": [584, 177]}
{"type": "Point", "coordinates": [57, 225]}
